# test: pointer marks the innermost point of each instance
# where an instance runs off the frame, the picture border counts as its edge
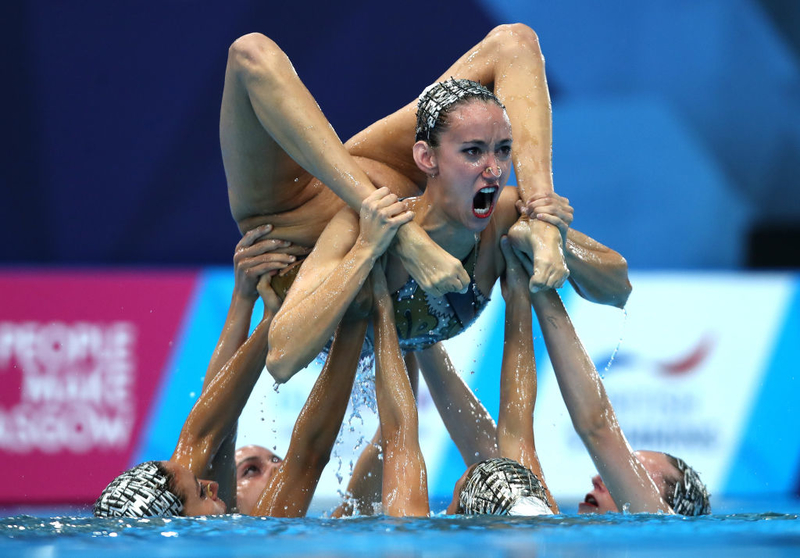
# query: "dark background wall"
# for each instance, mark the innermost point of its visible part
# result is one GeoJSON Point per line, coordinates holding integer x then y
{"type": "Point", "coordinates": [676, 124]}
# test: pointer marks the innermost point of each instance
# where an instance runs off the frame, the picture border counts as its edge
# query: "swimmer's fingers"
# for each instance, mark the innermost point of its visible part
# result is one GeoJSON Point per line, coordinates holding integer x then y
{"type": "Point", "coordinates": [550, 208]}
{"type": "Point", "coordinates": [272, 303]}
{"type": "Point", "coordinates": [248, 271]}
{"type": "Point", "coordinates": [251, 236]}
{"type": "Point", "coordinates": [261, 247]}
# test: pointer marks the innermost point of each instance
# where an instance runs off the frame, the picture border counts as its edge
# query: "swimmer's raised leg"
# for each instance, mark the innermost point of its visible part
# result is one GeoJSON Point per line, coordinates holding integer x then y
{"type": "Point", "coordinates": [275, 140]}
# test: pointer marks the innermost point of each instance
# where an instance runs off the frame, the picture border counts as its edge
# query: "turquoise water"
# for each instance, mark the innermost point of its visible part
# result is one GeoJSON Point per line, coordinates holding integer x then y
{"type": "Point", "coordinates": [772, 534]}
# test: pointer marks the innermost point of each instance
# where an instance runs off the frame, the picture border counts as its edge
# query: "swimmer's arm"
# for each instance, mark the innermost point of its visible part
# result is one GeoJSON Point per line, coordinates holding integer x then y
{"type": "Point", "coordinates": [291, 489]}
{"type": "Point", "coordinates": [329, 281]}
{"type": "Point", "coordinates": [405, 484]}
{"type": "Point", "coordinates": [216, 411]}
{"type": "Point", "coordinates": [515, 434]}
{"type": "Point", "coordinates": [591, 412]}
{"type": "Point", "coordinates": [253, 257]}
{"type": "Point", "coordinates": [598, 273]}
{"type": "Point", "coordinates": [469, 424]}
{"type": "Point", "coordinates": [364, 488]}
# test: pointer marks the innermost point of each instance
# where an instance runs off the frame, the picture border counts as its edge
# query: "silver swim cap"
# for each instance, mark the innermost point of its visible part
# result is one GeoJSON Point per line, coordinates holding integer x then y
{"type": "Point", "coordinates": [439, 97]}
{"type": "Point", "coordinates": [501, 486]}
{"type": "Point", "coordinates": [690, 496]}
{"type": "Point", "coordinates": [139, 492]}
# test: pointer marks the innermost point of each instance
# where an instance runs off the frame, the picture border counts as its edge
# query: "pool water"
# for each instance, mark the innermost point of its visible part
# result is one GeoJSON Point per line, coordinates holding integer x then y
{"type": "Point", "coordinates": [772, 534]}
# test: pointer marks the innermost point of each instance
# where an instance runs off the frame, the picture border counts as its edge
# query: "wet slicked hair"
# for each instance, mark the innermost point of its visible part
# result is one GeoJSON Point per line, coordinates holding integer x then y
{"type": "Point", "coordinates": [437, 101]}
{"type": "Point", "coordinates": [685, 492]}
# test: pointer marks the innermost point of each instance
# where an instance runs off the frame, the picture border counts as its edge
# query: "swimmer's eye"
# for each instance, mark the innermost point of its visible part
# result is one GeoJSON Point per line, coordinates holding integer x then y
{"type": "Point", "coordinates": [202, 491]}
{"type": "Point", "coordinates": [472, 151]}
{"type": "Point", "coordinates": [250, 470]}
{"type": "Point", "coordinates": [504, 152]}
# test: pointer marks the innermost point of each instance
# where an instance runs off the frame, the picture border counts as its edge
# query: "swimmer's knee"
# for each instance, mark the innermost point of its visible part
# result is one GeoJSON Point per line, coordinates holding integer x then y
{"type": "Point", "coordinates": [510, 38]}
{"type": "Point", "coordinates": [255, 53]}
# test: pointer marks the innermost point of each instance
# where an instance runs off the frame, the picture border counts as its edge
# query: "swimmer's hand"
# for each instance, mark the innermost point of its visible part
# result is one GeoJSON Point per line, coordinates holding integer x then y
{"type": "Point", "coordinates": [256, 256]}
{"type": "Point", "coordinates": [380, 217]}
{"type": "Point", "coordinates": [541, 250]}
{"type": "Point", "coordinates": [431, 266]}
{"type": "Point", "coordinates": [550, 208]}
{"type": "Point", "coordinates": [272, 302]}
{"type": "Point", "coordinates": [514, 282]}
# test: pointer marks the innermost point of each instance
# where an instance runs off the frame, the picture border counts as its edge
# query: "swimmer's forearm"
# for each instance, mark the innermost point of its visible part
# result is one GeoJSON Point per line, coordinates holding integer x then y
{"type": "Point", "coordinates": [301, 330]}
{"type": "Point", "coordinates": [405, 488]}
{"type": "Point", "coordinates": [392, 387]}
{"type": "Point", "coordinates": [216, 412]}
{"type": "Point", "coordinates": [598, 273]}
{"type": "Point", "coordinates": [580, 384]}
{"type": "Point", "coordinates": [517, 382]}
{"type": "Point", "coordinates": [469, 424]}
{"type": "Point", "coordinates": [290, 491]}
{"type": "Point", "coordinates": [234, 333]}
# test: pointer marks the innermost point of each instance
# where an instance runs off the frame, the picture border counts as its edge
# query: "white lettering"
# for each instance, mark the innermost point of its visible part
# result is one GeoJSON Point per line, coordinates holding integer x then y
{"type": "Point", "coordinates": [76, 429]}
{"type": "Point", "coordinates": [77, 390]}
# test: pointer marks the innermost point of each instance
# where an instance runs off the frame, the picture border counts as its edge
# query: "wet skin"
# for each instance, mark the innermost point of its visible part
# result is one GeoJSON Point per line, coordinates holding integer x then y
{"type": "Point", "coordinates": [255, 466]}
{"type": "Point", "coordinates": [200, 497]}
{"type": "Point", "coordinates": [599, 500]}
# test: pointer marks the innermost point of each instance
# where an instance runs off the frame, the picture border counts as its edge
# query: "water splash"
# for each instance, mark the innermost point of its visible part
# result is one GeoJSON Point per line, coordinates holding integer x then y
{"type": "Point", "coordinates": [619, 344]}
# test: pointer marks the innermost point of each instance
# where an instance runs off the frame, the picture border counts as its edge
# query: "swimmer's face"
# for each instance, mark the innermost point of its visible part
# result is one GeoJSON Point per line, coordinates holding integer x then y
{"type": "Point", "coordinates": [200, 497]}
{"type": "Point", "coordinates": [478, 136]}
{"type": "Point", "coordinates": [599, 500]}
{"type": "Point", "coordinates": [255, 466]}
{"type": "Point", "coordinates": [452, 509]}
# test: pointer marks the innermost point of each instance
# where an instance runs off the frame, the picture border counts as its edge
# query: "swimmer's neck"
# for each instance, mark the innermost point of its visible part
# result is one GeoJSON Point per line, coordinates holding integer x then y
{"type": "Point", "coordinates": [454, 237]}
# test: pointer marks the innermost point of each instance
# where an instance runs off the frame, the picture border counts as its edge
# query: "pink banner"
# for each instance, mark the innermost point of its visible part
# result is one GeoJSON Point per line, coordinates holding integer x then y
{"type": "Point", "coordinates": [81, 356]}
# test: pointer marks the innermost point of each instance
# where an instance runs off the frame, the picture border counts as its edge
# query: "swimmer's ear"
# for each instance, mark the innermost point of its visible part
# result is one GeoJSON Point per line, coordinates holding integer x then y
{"type": "Point", "coordinates": [425, 157]}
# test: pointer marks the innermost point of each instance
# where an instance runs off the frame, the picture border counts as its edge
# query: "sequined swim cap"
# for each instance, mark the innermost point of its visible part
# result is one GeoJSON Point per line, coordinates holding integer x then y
{"type": "Point", "coordinates": [501, 486]}
{"type": "Point", "coordinates": [437, 99]}
{"type": "Point", "coordinates": [690, 496]}
{"type": "Point", "coordinates": [142, 491]}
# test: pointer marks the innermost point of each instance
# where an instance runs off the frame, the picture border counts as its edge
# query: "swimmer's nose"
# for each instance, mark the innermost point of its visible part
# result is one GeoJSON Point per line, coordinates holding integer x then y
{"type": "Point", "coordinates": [598, 483]}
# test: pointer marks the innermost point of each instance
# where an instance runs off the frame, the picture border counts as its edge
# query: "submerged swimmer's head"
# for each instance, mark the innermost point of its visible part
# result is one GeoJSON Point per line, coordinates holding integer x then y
{"type": "Point", "coordinates": [142, 491]}
{"type": "Point", "coordinates": [500, 486]}
{"type": "Point", "coordinates": [684, 491]}
{"type": "Point", "coordinates": [159, 488]}
{"type": "Point", "coordinates": [437, 101]}
{"type": "Point", "coordinates": [680, 487]}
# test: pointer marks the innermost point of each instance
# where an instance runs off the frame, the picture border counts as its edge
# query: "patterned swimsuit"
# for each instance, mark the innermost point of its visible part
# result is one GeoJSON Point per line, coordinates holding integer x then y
{"type": "Point", "coordinates": [423, 320]}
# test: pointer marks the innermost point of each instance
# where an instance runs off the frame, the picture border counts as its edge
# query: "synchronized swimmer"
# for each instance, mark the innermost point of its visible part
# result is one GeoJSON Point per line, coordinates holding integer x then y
{"type": "Point", "coordinates": [406, 226]}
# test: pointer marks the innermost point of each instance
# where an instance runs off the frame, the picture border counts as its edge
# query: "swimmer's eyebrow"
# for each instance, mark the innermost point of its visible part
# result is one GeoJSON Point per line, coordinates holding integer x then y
{"type": "Point", "coordinates": [247, 460]}
{"type": "Point", "coordinates": [483, 143]}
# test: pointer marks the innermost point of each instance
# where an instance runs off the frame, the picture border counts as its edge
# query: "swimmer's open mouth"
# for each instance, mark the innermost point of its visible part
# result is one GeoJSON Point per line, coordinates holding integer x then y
{"type": "Point", "coordinates": [483, 202]}
{"type": "Point", "coordinates": [589, 505]}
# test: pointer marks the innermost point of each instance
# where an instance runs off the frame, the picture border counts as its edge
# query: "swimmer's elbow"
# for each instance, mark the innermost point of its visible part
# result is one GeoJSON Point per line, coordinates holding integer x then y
{"type": "Point", "coordinates": [594, 428]}
{"type": "Point", "coordinates": [279, 366]}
